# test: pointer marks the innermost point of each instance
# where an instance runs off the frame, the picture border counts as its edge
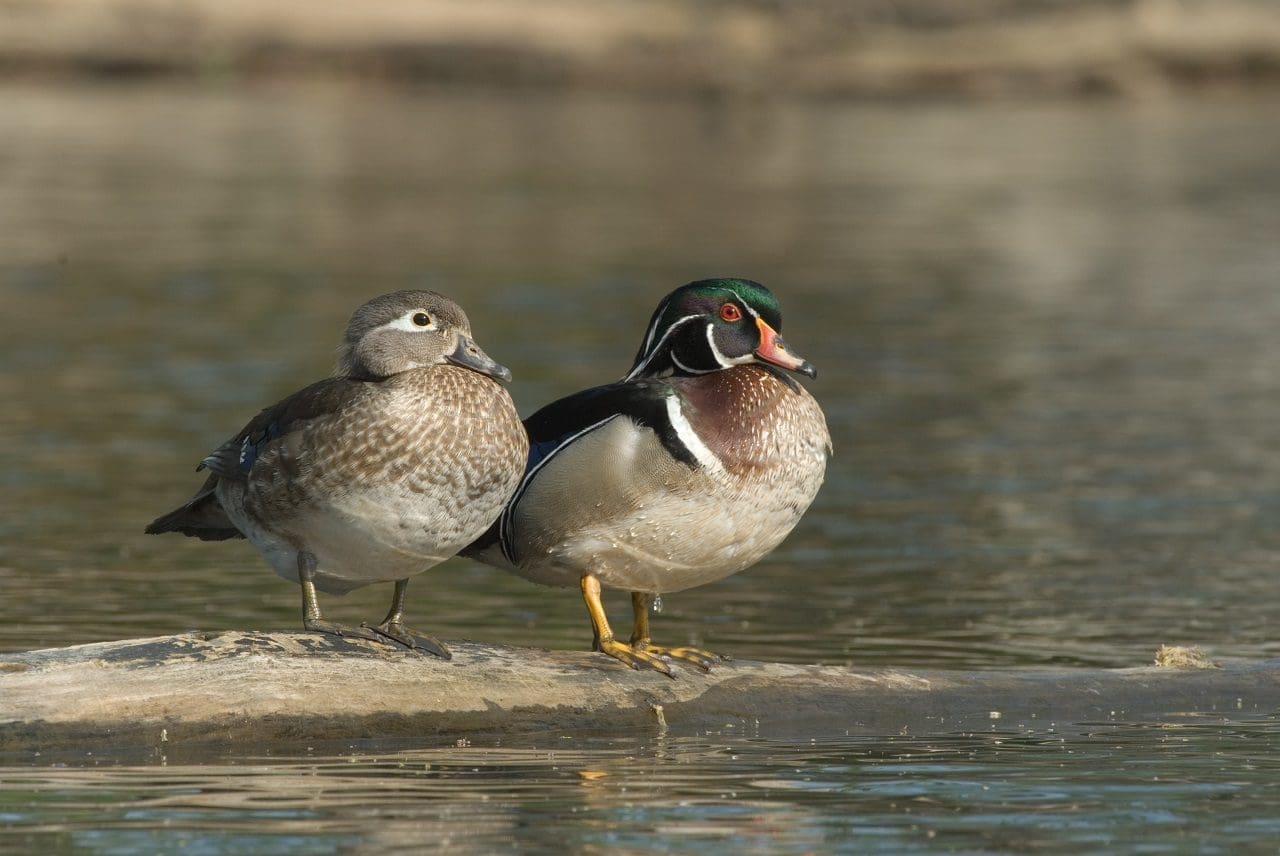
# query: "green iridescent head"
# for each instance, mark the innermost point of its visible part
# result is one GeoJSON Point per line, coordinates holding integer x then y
{"type": "Point", "coordinates": [714, 324]}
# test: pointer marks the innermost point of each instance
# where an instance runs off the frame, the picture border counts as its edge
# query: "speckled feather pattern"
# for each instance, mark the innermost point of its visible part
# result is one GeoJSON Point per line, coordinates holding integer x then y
{"type": "Point", "coordinates": [616, 503]}
{"type": "Point", "coordinates": [397, 480]}
{"type": "Point", "coordinates": [758, 427]}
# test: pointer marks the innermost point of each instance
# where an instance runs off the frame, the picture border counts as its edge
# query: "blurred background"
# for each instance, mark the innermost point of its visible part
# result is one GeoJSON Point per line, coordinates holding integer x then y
{"type": "Point", "coordinates": [1030, 244]}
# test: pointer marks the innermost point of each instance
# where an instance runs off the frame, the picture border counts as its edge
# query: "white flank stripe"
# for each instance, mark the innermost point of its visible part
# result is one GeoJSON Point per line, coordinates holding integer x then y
{"type": "Point", "coordinates": [690, 438]}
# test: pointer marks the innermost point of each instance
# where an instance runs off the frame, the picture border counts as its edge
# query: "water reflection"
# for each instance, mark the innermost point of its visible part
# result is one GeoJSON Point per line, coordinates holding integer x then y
{"type": "Point", "coordinates": [1162, 787]}
{"type": "Point", "coordinates": [1046, 336]}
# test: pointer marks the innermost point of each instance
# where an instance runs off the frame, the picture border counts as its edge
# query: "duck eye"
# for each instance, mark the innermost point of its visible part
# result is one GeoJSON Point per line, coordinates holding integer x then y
{"type": "Point", "coordinates": [422, 319]}
{"type": "Point", "coordinates": [730, 312]}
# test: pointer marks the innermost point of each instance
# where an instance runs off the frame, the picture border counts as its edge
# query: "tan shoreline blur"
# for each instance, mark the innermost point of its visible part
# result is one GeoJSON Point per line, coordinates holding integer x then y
{"type": "Point", "coordinates": [807, 47]}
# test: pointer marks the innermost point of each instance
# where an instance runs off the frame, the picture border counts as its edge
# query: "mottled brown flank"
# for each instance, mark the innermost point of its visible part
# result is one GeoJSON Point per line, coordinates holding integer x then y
{"type": "Point", "coordinates": [426, 441]}
{"type": "Point", "coordinates": [750, 419]}
{"type": "Point", "coordinates": [446, 434]}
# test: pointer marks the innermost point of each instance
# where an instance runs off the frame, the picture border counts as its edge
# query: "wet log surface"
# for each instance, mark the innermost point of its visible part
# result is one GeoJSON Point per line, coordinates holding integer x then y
{"type": "Point", "coordinates": [262, 687]}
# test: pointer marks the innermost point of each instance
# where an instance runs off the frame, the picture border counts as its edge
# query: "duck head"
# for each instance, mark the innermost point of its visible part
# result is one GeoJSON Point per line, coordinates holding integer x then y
{"type": "Point", "coordinates": [409, 330]}
{"type": "Point", "coordinates": [715, 324]}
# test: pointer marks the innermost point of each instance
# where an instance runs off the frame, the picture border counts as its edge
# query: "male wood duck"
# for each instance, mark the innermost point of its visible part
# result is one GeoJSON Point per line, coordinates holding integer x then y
{"type": "Point", "coordinates": [692, 467]}
{"type": "Point", "coordinates": [376, 474]}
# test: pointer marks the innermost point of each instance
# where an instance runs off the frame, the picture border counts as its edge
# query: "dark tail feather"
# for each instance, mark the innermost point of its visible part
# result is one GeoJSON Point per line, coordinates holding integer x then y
{"type": "Point", "coordinates": [202, 517]}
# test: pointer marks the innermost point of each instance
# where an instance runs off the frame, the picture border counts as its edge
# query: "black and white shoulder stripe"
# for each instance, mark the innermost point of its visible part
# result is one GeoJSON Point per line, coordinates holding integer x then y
{"type": "Point", "coordinates": [653, 404]}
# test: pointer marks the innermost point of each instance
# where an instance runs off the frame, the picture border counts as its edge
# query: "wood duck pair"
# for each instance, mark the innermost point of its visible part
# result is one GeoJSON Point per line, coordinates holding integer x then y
{"type": "Point", "coordinates": [692, 467]}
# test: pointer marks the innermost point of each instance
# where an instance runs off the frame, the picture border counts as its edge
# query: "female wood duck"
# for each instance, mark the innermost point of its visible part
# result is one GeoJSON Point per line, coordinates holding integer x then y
{"type": "Point", "coordinates": [373, 475]}
{"type": "Point", "coordinates": [692, 467]}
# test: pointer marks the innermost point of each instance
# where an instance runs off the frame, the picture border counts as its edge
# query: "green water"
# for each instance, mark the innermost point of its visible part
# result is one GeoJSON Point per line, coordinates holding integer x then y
{"type": "Point", "coordinates": [1047, 353]}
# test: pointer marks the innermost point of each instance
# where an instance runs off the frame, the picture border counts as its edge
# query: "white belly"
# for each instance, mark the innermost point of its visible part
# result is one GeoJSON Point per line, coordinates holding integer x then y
{"type": "Point", "coordinates": [362, 538]}
{"type": "Point", "coordinates": [658, 531]}
{"type": "Point", "coordinates": [691, 543]}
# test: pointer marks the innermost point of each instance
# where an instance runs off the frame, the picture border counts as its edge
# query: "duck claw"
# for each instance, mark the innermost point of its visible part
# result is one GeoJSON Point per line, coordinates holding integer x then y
{"type": "Point", "coordinates": [344, 631]}
{"type": "Point", "coordinates": [687, 655]}
{"type": "Point", "coordinates": [636, 659]}
{"type": "Point", "coordinates": [394, 631]}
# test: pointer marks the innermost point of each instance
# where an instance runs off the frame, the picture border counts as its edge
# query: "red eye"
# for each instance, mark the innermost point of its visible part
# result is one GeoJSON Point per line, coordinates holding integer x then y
{"type": "Point", "coordinates": [729, 312]}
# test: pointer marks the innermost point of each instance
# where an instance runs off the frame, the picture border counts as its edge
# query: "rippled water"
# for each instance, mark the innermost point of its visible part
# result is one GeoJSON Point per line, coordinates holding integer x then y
{"type": "Point", "coordinates": [1047, 353]}
{"type": "Point", "coordinates": [1133, 788]}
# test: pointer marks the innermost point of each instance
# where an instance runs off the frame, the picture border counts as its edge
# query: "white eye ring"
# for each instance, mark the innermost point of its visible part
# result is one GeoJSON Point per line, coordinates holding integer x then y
{"type": "Point", "coordinates": [410, 322]}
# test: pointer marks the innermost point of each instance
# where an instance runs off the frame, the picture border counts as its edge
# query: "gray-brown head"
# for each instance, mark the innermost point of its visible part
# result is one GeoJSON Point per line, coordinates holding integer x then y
{"type": "Point", "coordinates": [409, 330]}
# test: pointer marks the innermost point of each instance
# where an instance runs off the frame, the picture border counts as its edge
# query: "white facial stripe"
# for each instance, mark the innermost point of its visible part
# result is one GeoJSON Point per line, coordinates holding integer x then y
{"type": "Point", "coordinates": [651, 348]}
{"type": "Point", "coordinates": [653, 327]}
{"type": "Point", "coordinates": [690, 438]}
{"type": "Point", "coordinates": [745, 358]}
{"type": "Point", "coordinates": [649, 353]}
{"type": "Point", "coordinates": [750, 308]}
{"type": "Point", "coordinates": [686, 369]}
{"type": "Point", "coordinates": [725, 362]}
{"type": "Point", "coordinates": [405, 322]}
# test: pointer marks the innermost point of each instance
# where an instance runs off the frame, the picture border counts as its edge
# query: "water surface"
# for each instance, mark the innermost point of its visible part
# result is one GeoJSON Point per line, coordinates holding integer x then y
{"type": "Point", "coordinates": [1047, 353]}
{"type": "Point", "coordinates": [1101, 789]}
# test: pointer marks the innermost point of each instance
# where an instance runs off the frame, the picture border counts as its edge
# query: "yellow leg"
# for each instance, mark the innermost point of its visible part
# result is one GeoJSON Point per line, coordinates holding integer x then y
{"type": "Point", "coordinates": [640, 603]}
{"type": "Point", "coordinates": [604, 641]}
